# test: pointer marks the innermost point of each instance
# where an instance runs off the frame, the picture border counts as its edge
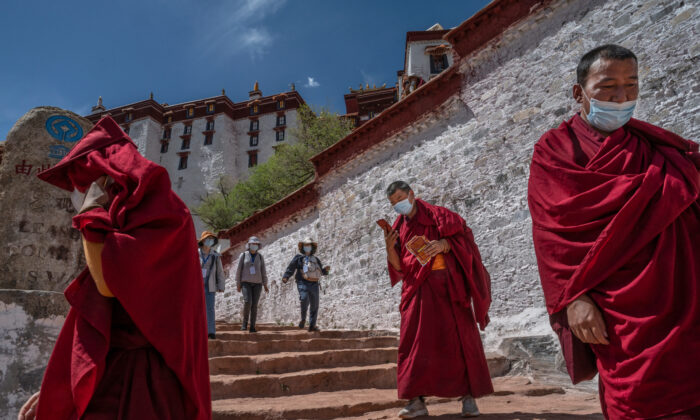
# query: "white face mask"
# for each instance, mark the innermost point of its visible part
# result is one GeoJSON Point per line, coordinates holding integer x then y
{"type": "Point", "coordinates": [609, 116]}
{"type": "Point", "coordinates": [308, 249]}
{"type": "Point", "coordinates": [253, 247]}
{"type": "Point", "coordinates": [403, 207]}
{"type": "Point", "coordinates": [77, 198]}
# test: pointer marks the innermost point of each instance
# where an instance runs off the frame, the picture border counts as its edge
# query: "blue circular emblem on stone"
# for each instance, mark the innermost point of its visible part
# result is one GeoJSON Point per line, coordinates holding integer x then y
{"type": "Point", "coordinates": [64, 129]}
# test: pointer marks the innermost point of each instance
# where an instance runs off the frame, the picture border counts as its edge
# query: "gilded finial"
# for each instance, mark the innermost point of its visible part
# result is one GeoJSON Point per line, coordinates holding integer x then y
{"type": "Point", "coordinates": [223, 92]}
{"type": "Point", "coordinates": [257, 86]}
{"type": "Point", "coordinates": [99, 101]}
{"type": "Point", "coordinates": [151, 96]}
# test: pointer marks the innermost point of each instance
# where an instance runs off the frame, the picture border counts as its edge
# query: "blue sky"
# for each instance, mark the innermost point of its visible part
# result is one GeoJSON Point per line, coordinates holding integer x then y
{"type": "Point", "coordinates": [67, 53]}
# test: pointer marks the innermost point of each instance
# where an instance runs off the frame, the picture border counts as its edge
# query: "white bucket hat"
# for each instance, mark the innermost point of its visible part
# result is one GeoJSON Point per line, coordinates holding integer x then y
{"type": "Point", "coordinates": [253, 240]}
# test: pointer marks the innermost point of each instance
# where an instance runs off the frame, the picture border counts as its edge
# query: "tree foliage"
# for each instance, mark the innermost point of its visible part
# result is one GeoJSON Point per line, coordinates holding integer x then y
{"type": "Point", "coordinates": [285, 172]}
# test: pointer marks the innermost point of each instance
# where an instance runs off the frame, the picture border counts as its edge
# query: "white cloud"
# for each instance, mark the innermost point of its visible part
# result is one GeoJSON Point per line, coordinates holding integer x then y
{"type": "Point", "coordinates": [312, 83]}
{"type": "Point", "coordinates": [238, 26]}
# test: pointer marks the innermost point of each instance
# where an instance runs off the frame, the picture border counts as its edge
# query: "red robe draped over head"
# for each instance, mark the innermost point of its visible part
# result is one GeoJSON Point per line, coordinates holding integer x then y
{"type": "Point", "coordinates": [150, 264]}
{"type": "Point", "coordinates": [440, 350]}
{"type": "Point", "coordinates": [618, 219]}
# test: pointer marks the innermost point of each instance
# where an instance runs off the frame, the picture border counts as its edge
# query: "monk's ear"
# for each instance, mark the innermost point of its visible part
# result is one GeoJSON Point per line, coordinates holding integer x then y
{"type": "Point", "coordinates": [577, 93]}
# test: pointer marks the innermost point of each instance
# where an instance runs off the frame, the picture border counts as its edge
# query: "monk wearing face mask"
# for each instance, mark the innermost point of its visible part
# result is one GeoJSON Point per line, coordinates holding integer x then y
{"type": "Point", "coordinates": [133, 345]}
{"type": "Point", "coordinates": [445, 292]}
{"type": "Point", "coordinates": [616, 222]}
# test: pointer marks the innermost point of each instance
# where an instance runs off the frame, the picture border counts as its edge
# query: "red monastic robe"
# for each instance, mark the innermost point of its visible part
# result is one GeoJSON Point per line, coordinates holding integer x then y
{"type": "Point", "coordinates": [142, 354]}
{"type": "Point", "coordinates": [618, 218]}
{"type": "Point", "coordinates": [440, 350]}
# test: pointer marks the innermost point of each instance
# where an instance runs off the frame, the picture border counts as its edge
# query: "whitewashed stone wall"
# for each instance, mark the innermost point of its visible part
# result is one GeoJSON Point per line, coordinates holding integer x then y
{"type": "Point", "coordinates": [472, 155]}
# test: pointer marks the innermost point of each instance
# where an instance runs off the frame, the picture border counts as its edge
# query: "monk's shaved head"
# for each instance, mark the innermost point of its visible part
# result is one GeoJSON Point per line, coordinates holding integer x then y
{"type": "Point", "coordinates": [397, 185]}
{"type": "Point", "coordinates": [609, 52]}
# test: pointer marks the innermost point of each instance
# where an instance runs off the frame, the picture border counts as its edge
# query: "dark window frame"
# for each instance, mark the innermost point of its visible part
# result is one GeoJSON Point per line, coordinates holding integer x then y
{"type": "Point", "coordinates": [281, 134]}
{"type": "Point", "coordinates": [183, 163]}
{"type": "Point", "coordinates": [164, 147]}
{"type": "Point", "coordinates": [208, 139]}
{"type": "Point", "coordinates": [252, 159]}
{"type": "Point", "coordinates": [185, 144]}
{"type": "Point", "coordinates": [254, 140]}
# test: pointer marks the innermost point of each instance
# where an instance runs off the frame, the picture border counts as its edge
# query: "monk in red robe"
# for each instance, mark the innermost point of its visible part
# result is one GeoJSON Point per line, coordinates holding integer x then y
{"type": "Point", "coordinates": [134, 343]}
{"type": "Point", "coordinates": [440, 350]}
{"type": "Point", "coordinates": [616, 226]}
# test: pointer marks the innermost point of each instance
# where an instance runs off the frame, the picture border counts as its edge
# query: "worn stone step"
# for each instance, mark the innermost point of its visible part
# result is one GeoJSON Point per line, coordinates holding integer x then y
{"type": "Point", "coordinates": [225, 326]}
{"type": "Point", "coordinates": [321, 405]}
{"type": "Point", "coordinates": [298, 335]}
{"type": "Point", "coordinates": [306, 382]}
{"type": "Point", "coordinates": [296, 361]}
{"type": "Point", "coordinates": [242, 348]}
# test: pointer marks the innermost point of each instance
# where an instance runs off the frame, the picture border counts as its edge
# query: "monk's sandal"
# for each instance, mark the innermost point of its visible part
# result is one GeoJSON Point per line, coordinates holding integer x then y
{"type": "Point", "coordinates": [469, 408]}
{"type": "Point", "coordinates": [415, 408]}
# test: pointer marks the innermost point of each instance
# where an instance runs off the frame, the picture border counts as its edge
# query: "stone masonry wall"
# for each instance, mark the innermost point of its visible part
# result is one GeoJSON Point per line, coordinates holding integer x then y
{"type": "Point", "coordinates": [472, 155]}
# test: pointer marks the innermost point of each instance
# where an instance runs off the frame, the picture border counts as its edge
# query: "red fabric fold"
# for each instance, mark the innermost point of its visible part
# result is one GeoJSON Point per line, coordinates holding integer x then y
{"type": "Point", "coordinates": [476, 285]}
{"type": "Point", "coordinates": [149, 263]}
{"type": "Point", "coordinates": [440, 350]}
{"type": "Point", "coordinates": [618, 218]}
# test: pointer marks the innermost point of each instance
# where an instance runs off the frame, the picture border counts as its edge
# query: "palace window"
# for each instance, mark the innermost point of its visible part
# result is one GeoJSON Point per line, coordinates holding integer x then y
{"type": "Point", "coordinates": [280, 135]}
{"type": "Point", "coordinates": [281, 120]}
{"type": "Point", "coordinates": [280, 104]}
{"type": "Point", "coordinates": [190, 112]}
{"type": "Point", "coordinates": [183, 162]}
{"type": "Point", "coordinates": [208, 139]}
{"type": "Point", "coordinates": [187, 130]}
{"type": "Point", "coordinates": [210, 125]}
{"type": "Point", "coordinates": [253, 141]}
{"type": "Point", "coordinates": [254, 109]}
{"type": "Point", "coordinates": [164, 147]}
{"type": "Point", "coordinates": [438, 63]}
{"type": "Point", "coordinates": [129, 116]}
{"type": "Point", "coordinates": [166, 133]}
{"type": "Point", "coordinates": [169, 119]}
{"type": "Point", "coordinates": [210, 108]}
{"type": "Point", "coordinates": [185, 144]}
{"type": "Point", "coordinates": [254, 125]}
{"type": "Point", "coordinates": [252, 158]}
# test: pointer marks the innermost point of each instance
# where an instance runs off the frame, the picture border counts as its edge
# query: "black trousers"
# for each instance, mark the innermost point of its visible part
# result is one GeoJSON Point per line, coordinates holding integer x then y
{"type": "Point", "coordinates": [251, 296]}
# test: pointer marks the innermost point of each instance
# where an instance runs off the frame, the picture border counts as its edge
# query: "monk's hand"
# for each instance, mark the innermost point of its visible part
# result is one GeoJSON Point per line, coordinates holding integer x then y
{"type": "Point", "coordinates": [390, 238]}
{"type": "Point", "coordinates": [28, 410]}
{"type": "Point", "coordinates": [436, 247]}
{"type": "Point", "coordinates": [586, 321]}
{"type": "Point", "coordinates": [266, 288]}
{"type": "Point", "coordinates": [239, 288]}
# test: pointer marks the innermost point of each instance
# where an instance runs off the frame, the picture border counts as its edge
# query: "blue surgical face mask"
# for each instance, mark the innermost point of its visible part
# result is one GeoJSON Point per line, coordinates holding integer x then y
{"type": "Point", "coordinates": [253, 247]}
{"type": "Point", "coordinates": [609, 116]}
{"type": "Point", "coordinates": [308, 249]}
{"type": "Point", "coordinates": [403, 207]}
{"type": "Point", "coordinates": [209, 242]}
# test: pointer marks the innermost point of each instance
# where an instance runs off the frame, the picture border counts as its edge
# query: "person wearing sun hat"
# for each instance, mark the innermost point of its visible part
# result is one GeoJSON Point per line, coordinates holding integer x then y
{"type": "Point", "coordinates": [251, 278]}
{"type": "Point", "coordinates": [213, 276]}
{"type": "Point", "coordinates": [307, 270]}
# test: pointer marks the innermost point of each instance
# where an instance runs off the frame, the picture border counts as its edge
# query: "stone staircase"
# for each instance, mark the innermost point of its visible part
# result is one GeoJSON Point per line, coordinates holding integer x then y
{"type": "Point", "coordinates": [288, 373]}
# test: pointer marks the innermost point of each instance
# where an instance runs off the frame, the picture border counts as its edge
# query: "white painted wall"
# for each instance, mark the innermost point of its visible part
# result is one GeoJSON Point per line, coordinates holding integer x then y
{"type": "Point", "coordinates": [473, 155]}
{"type": "Point", "coordinates": [418, 62]}
{"type": "Point", "coordinates": [226, 156]}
